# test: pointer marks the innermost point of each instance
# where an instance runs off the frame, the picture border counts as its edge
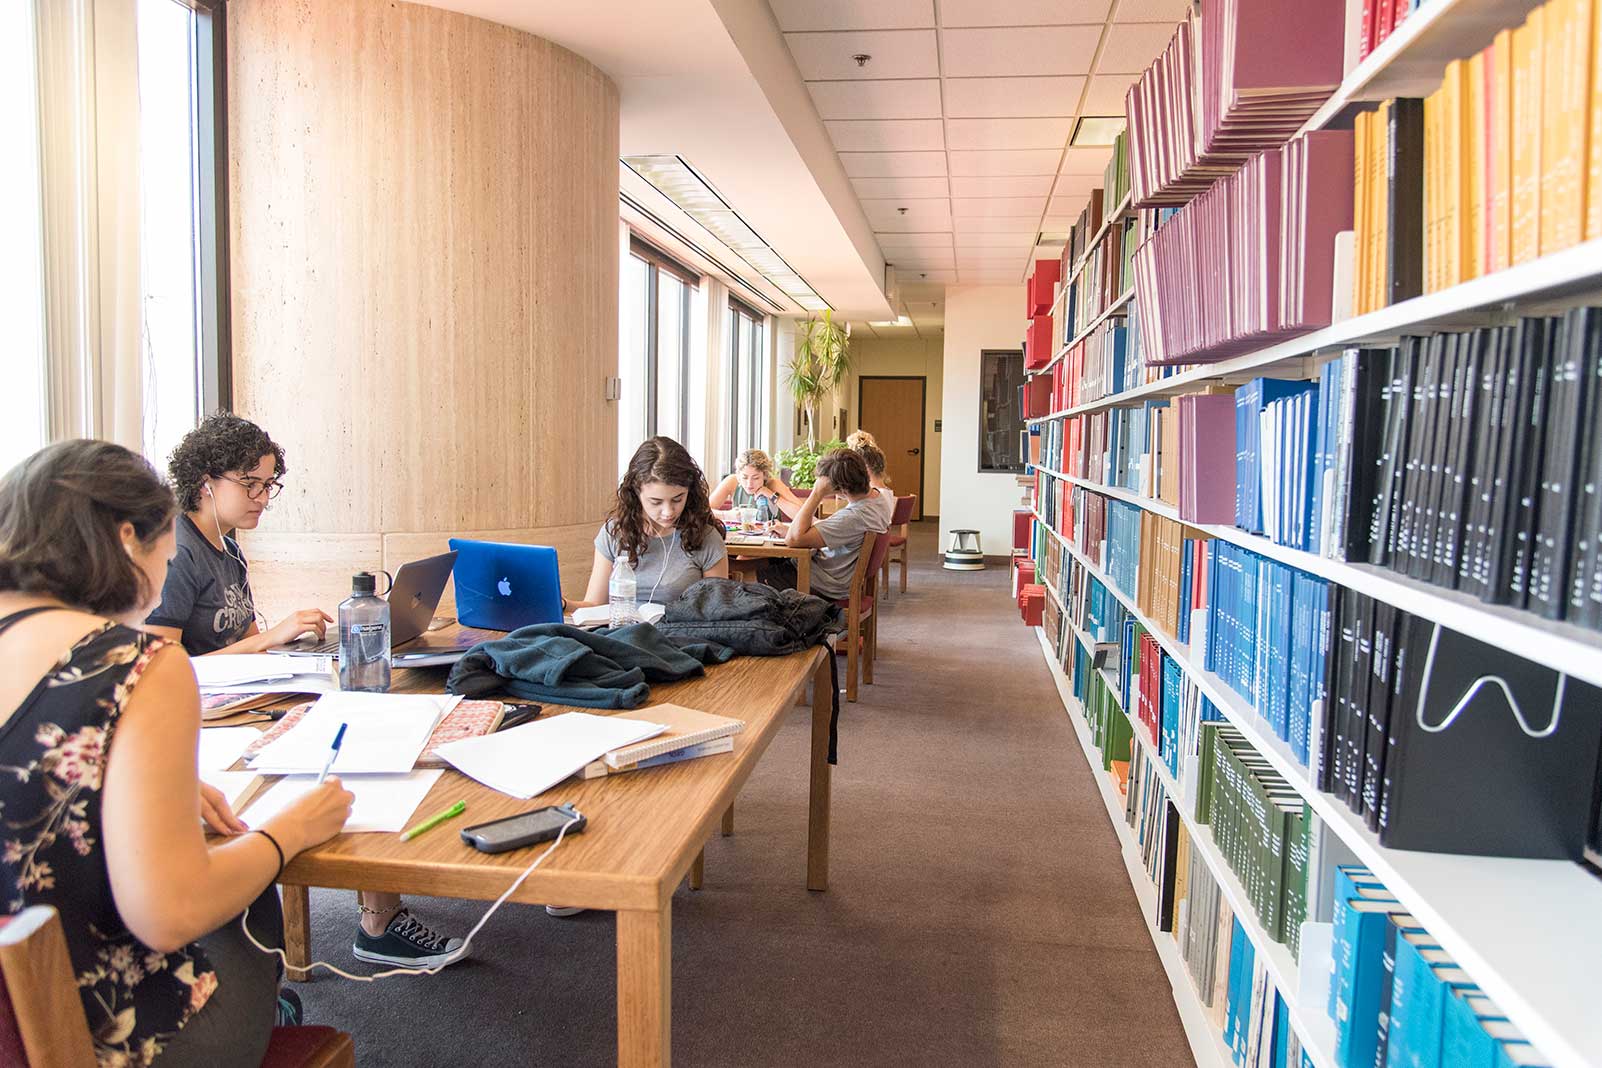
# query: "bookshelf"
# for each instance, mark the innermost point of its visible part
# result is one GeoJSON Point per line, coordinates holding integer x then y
{"type": "Point", "coordinates": [1528, 932]}
{"type": "Point", "coordinates": [1537, 963]}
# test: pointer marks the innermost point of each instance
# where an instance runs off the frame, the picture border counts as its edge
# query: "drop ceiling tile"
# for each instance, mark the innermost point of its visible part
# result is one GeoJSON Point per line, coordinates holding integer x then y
{"type": "Point", "coordinates": [1007, 133]}
{"type": "Point", "coordinates": [924, 239]}
{"type": "Point", "coordinates": [999, 208]}
{"type": "Point", "coordinates": [991, 232]}
{"type": "Point", "coordinates": [1169, 11]}
{"type": "Point", "coordinates": [932, 275]}
{"type": "Point", "coordinates": [913, 98]}
{"type": "Point", "coordinates": [1130, 47]}
{"type": "Point", "coordinates": [922, 259]}
{"type": "Point", "coordinates": [1068, 205]}
{"type": "Point", "coordinates": [1011, 162]}
{"type": "Point", "coordinates": [981, 98]}
{"type": "Point", "coordinates": [1086, 161]}
{"type": "Point", "coordinates": [890, 188]}
{"type": "Point", "coordinates": [919, 216]}
{"type": "Point", "coordinates": [1027, 185]}
{"type": "Point", "coordinates": [1020, 12]}
{"type": "Point", "coordinates": [1013, 50]}
{"type": "Point", "coordinates": [887, 135]}
{"type": "Point", "coordinates": [893, 164]}
{"type": "Point", "coordinates": [895, 54]}
{"type": "Point", "coordinates": [852, 15]}
{"type": "Point", "coordinates": [1107, 92]}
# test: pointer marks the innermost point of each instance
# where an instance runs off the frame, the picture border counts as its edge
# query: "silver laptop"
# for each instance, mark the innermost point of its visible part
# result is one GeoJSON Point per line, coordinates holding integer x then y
{"type": "Point", "coordinates": [413, 599]}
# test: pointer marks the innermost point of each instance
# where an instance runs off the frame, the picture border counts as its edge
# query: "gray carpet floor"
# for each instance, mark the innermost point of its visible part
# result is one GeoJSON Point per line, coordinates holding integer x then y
{"type": "Point", "coordinates": [978, 912]}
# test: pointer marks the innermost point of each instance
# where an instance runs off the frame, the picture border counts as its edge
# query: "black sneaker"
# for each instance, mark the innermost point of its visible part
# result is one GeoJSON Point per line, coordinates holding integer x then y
{"type": "Point", "coordinates": [407, 943]}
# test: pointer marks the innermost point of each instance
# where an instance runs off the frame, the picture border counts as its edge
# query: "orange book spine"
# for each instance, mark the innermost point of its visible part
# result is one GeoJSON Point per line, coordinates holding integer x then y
{"type": "Point", "coordinates": [1593, 182]}
{"type": "Point", "coordinates": [1579, 72]}
{"type": "Point", "coordinates": [1554, 54]}
{"type": "Point", "coordinates": [1474, 167]}
{"type": "Point", "coordinates": [1452, 157]}
{"type": "Point", "coordinates": [1365, 240]}
{"type": "Point", "coordinates": [1432, 262]}
{"type": "Point", "coordinates": [1379, 206]}
{"type": "Point", "coordinates": [1501, 154]}
{"type": "Point", "coordinates": [1527, 53]}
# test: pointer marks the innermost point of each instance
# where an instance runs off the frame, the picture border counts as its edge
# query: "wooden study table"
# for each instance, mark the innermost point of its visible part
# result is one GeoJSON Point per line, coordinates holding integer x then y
{"type": "Point", "coordinates": [646, 830]}
{"type": "Point", "coordinates": [802, 557]}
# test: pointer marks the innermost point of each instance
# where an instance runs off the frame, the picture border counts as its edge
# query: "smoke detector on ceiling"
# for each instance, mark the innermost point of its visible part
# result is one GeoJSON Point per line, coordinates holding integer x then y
{"type": "Point", "coordinates": [862, 58]}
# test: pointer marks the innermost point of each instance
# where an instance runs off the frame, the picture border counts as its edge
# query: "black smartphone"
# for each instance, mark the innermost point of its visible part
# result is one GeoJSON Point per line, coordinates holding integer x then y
{"type": "Point", "coordinates": [517, 715]}
{"type": "Point", "coordinates": [525, 828]}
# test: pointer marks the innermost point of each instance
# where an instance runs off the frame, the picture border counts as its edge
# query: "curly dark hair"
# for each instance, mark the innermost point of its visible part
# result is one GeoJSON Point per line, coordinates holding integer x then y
{"type": "Point", "coordinates": [846, 471]}
{"type": "Point", "coordinates": [222, 442]}
{"type": "Point", "coordinates": [663, 460]}
{"type": "Point", "coordinates": [60, 511]}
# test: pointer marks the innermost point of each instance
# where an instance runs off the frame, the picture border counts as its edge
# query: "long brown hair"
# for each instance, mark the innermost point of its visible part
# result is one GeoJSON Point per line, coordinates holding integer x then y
{"type": "Point", "coordinates": [60, 510]}
{"type": "Point", "coordinates": [664, 460]}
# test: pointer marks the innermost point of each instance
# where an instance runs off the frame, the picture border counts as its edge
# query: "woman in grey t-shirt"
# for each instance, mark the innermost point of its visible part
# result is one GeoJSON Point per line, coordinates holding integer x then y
{"type": "Point", "coordinates": [662, 524]}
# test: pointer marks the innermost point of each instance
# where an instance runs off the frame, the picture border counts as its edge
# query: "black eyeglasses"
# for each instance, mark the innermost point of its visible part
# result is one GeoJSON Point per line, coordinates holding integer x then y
{"type": "Point", "coordinates": [255, 487]}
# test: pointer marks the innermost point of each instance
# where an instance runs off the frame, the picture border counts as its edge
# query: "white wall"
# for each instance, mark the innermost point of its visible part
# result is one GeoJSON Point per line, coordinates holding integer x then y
{"type": "Point", "coordinates": [912, 356]}
{"type": "Point", "coordinates": [977, 318]}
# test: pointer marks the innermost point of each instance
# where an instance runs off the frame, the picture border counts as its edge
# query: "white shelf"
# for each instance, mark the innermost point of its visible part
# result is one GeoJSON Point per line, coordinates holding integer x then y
{"type": "Point", "coordinates": [1412, 60]}
{"type": "Point", "coordinates": [1312, 1025]}
{"type": "Point", "coordinates": [1522, 633]}
{"type": "Point", "coordinates": [1112, 309]}
{"type": "Point", "coordinates": [1206, 1043]}
{"type": "Point", "coordinates": [1492, 298]}
{"type": "Point", "coordinates": [1528, 931]}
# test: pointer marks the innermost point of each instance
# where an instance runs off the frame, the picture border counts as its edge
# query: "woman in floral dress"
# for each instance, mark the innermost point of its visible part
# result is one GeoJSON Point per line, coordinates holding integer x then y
{"type": "Point", "coordinates": [101, 809]}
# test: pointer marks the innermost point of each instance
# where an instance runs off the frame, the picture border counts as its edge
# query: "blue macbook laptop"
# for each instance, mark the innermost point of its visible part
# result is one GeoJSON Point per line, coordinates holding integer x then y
{"type": "Point", "coordinates": [502, 586]}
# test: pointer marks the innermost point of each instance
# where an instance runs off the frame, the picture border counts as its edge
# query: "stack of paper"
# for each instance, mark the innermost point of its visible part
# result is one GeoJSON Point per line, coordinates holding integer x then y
{"type": "Point", "coordinates": [383, 802]}
{"type": "Point", "coordinates": [220, 747]}
{"type": "Point", "coordinates": [385, 733]}
{"type": "Point", "coordinates": [263, 673]}
{"type": "Point", "coordinates": [531, 759]}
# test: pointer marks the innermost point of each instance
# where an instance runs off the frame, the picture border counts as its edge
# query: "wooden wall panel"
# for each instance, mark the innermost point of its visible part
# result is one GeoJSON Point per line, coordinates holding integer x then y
{"type": "Point", "coordinates": [423, 221]}
{"type": "Point", "coordinates": [290, 571]}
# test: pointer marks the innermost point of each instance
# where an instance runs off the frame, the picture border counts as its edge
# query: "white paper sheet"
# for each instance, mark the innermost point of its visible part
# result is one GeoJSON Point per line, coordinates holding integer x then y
{"type": "Point", "coordinates": [285, 684]}
{"type": "Point", "coordinates": [221, 746]}
{"type": "Point", "coordinates": [232, 669]}
{"type": "Point", "coordinates": [385, 733]}
{"type": "Point", "coordinates": [531, 759]}
{"type": "Point", "coordinates": [233, 784]}
{"type": "Point", "coordinates": [383, 802]}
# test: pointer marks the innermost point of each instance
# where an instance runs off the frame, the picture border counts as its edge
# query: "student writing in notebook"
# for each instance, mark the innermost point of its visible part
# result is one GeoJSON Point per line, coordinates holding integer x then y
{"type": "Point", "coordinates": [226, 472]}
{"type": "Point", "coordinates": [662, 523]}
{"type": "Point", "coordinates": [103, 805]}
{"type": "Point", "coordinates": [836, 541]}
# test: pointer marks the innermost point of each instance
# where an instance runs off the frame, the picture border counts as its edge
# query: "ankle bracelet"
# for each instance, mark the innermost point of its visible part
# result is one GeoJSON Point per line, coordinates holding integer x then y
{"type": "Point", "coordinates": [365, 911]}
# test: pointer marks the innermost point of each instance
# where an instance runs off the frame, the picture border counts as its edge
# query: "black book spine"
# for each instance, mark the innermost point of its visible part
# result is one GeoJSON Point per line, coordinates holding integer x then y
{"type": "Point", "coordinates": [1357, 707]}
{"type": "Point", "coordinates": [1335, 658]}
{"type": "Point", "coordinates": [1412, 637]}
{"type": "Point", "coordinates": [1379, 710]}
{"type": "Point", "coordinates": [1585, 607]}
{"type": "Point", "coordinates": [1396, 400]}
{"type": "Point", "coordinates": [1423, 563]}
{"type": "Point", "coordinates": [1515, 422]}
{"type": "Point", "coordinates": [1488, 431]}
{"type": "Point", "coordinates": [1526, 489]}
{"type": "Point", "coordinates": [1369, 387]}
{"type": "Point", "coordinates": [1404, 230]}
{"type": "Point", "coordinates": [1454, 507]}
{"type": "Point", "coordinates": [1415, 474]}
{"type": "Point", "coordinates": [1560, 487]}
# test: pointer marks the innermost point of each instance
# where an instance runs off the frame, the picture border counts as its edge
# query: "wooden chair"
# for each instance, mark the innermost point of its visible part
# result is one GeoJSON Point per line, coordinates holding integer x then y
{"type": "Point", "coordinates": [862, 617]}
{"type": "Point", "coordinates": [42, 1024]}
{"type": "Point", "coordinates": [898, 541]}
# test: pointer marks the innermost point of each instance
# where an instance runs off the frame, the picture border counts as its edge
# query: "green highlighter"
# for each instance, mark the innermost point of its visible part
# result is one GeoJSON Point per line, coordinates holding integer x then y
{"type": "Point", "coordinates": [435, 820]}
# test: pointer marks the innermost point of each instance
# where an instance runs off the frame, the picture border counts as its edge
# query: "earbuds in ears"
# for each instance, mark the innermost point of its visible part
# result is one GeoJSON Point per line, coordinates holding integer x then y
{"type": "Point", "coordinates": [207, 487]}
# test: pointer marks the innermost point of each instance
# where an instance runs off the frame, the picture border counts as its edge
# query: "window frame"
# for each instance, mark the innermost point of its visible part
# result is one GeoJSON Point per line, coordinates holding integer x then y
{"type": "Point", "coordinates": [658, 263]}
{"type": "Point", "coordinates": [750, 356]}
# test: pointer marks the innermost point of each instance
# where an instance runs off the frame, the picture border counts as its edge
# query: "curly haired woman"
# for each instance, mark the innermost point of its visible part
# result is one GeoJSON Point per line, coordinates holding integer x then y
{"type": "Point", "coordinates": [663, 524]}
{"type": "Point", "coordinates": [754, 485]}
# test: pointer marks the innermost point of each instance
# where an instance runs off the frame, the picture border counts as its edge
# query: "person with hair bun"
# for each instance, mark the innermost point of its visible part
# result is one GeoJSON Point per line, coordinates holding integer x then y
{"type": "Point", "coordinates": [104, 809]}
{"type": "Point", "coordinates": [754, 484]}
{"type": "Point", "coordinates": [837, 540]}
{"type": "Point", "coordinates": [662, 522]}
{"type": "Point", "coordinates": [884, 498]}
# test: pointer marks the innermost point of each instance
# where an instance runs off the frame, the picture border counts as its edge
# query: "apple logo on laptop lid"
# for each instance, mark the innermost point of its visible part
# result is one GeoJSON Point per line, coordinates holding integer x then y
{"type": "Point", "coordinates": [505, 587]}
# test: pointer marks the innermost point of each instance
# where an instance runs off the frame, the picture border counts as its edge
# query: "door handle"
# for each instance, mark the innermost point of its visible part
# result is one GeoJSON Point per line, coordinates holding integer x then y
{"type": "Point", "coordinates": [913, 452]}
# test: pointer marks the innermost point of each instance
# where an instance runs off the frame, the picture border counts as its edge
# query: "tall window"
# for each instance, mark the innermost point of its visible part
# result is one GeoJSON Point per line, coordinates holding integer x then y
{"type": "Point", "coordinates": [1001, 424]}
{"type": "Point", "coordinates": [22, 402]}
{"type": "Point", "coordinates": [748, 380]}
{"type": "Point", "coordinates": [184, 304]}
{"type": "Point", "coordinates": [656, 292]}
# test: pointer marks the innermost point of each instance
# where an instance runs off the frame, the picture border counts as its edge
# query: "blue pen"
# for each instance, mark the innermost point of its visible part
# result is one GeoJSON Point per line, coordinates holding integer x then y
{"type": "Point", "coordinates": [333, 754]}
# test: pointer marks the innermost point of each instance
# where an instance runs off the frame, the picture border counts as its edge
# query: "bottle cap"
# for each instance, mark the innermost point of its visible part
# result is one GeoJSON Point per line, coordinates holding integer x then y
{"type": "Point", "coordinates": [362, 583]}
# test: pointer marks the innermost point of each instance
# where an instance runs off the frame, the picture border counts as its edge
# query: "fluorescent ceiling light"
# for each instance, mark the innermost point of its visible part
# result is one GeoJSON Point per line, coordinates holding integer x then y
{"type": "Point", "coordinates": [680, 183]}
{"type": "Point", "coordinates": [900, 320]}
{"type": "Point", "coordinates": [1093, 130]}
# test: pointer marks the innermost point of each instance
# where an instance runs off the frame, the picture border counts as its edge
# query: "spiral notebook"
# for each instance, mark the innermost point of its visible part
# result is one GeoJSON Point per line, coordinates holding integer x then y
{"type": "Point", "coordinates": [685, 727]}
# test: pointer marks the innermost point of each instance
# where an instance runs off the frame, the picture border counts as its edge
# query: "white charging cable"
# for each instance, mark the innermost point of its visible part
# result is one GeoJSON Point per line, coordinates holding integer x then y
{"type": "Point", "coordinates": [434, 970]}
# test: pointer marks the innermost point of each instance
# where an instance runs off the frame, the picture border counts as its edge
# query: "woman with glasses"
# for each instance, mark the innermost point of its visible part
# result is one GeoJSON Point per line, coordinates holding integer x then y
{"type": "Point", "coordinates": [224, 472]}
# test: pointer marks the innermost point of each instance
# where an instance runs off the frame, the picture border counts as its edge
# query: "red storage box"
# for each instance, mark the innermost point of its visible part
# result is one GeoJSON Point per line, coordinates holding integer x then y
{"type": "Point", "coordinates": [1032, 604]}
{"type": "Point", "coordinates": [1042, 287]}
{"type": "Point", "coordinates": [1023, 573]}
{"type": "Point", "coordinates": [1022, 529]}
{"type": "Point", "coordinates": [1037, 349]}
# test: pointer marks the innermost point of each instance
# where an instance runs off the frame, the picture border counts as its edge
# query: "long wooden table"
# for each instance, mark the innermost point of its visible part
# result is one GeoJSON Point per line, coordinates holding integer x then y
{"type": "Point", "coordinates": [758, 549]}
{"type": "Point", "coordinates": [645, 832]}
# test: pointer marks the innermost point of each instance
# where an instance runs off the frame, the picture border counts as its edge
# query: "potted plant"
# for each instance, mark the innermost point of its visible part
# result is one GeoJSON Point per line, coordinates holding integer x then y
{"type": "Point", "coordinates": [802, 461]}
{"type": "Point", "coordinates": [822, 362]}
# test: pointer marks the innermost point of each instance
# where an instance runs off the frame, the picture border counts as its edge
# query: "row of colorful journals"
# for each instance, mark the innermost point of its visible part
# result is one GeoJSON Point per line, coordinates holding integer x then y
{"type": "Point", "coordinates": [1399, 1000]}
{"type": "Point", "coordinates": [1222, 92]}
{"type": "Point", "coordinates": [1500, 165]}
{"type": "Point", "coordinates": [1379, 20]}
{"type": "Point", "coordinates": [1251, 260]}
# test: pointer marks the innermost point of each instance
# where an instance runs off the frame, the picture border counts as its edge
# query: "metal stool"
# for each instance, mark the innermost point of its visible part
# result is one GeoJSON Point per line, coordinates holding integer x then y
{"type": "Point", "coordinates": [964, 554]}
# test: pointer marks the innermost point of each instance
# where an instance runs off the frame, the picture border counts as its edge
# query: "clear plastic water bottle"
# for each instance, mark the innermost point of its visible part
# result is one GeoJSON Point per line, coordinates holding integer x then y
{"type": "Point", "coordinates": [622, 593]}
{"type": "Point", "coordinates": [364, 637]}
{"type": "Point", "coordinates": [764, 507]}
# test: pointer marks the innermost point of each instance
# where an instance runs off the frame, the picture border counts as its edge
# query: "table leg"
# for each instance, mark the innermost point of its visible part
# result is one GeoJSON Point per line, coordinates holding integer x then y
{"type": "Point", "coordinates": [728, 820]}
{"type": "Point", "coordinates": [818, 803]}
{"type": "Point", "coordinates": [698, 869]}
{"type": "Point", "coordinates": [803, 572]}
{"type": "Point", "coordinates": [644, 988]}
{"type": "Point", "coordinates": [297, 932]}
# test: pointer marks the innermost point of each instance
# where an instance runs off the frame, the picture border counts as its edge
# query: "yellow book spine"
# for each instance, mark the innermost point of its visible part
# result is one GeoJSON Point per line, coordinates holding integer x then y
{"type": "Point", "coordinates": [1474, 167]}
{"type": "Point", "coordinates": [1502, 150]}
{"type": "Point", "coordinates": [1527, 53]}
{"type": "Point", "coordinates": [1579, 71]}
{"type": "Point", "coordinates": [1379, 206]}
{"type": "Point", "coordinates": [1593, 191]}
{"type": "Point", "coordinates": [1554, 180]}
{"type": "Point", "coordinates": [1429, 194]}
{"type": "Point", "coordinates": [1452, 157]}
{"type": "Point", "coordinates": [1364, 242]}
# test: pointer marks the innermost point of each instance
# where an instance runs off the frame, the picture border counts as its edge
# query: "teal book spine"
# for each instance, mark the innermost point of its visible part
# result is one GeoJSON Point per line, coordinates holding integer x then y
{"type": "Point", "coordinates": [1464, 1043]}
{"type": "Point", "coordinates": [1357, 1029]}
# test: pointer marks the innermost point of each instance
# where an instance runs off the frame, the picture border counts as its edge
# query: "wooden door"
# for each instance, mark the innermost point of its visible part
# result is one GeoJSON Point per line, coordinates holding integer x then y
{"type": "Point", "coordinates": [891, 409]}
